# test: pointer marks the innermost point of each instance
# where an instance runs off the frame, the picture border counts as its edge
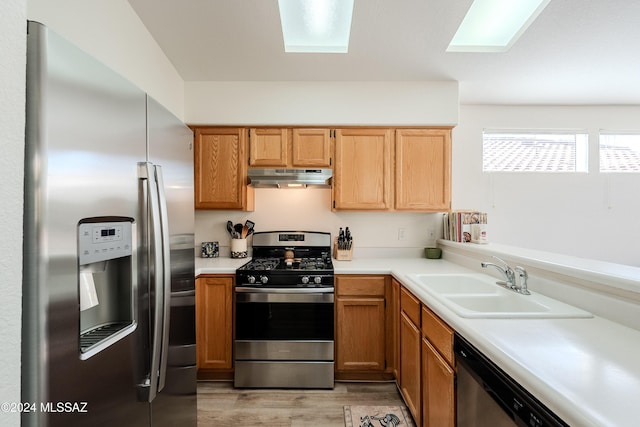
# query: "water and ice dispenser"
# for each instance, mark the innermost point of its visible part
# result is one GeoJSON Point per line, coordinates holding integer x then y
{"type": "Point", "coordinates": [106, 282]}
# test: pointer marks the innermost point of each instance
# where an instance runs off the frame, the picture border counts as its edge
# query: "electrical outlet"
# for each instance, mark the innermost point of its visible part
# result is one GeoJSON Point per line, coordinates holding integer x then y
{"type": "Point", "coordinates": [401, 233]}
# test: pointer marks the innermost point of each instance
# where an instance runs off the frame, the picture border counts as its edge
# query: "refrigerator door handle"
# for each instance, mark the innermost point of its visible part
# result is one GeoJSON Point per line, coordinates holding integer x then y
{"type": "Point", "coordinates": [147, 173]}
{"type": "Point", "coordinates": [166, 256]}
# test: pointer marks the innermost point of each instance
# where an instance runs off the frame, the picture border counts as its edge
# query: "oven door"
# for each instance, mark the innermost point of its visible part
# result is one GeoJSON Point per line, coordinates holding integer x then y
{"type": "Point", "coordinates": [284, 338]}
{"type": "Point", "coordinates": [268, 314]}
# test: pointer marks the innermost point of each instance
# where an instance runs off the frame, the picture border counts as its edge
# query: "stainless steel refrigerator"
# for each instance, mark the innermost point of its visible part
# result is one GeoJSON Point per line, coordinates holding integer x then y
{"type": "Point", "coordinates": [108, 290]}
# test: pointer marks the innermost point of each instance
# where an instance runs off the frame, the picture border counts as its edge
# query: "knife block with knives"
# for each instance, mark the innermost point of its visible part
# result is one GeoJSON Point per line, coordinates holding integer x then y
{"type": "Point", "coordinates": [343, 245]}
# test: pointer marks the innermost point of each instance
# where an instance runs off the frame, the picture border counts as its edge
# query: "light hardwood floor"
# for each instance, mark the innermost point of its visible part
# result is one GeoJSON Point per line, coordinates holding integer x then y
{"type": "Point", "coordinates": [220, 405]}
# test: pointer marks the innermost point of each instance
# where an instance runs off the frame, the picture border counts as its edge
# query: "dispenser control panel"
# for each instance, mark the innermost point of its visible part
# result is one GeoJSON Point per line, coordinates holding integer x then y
{"type": "Point", "coordinates": [100, 241]}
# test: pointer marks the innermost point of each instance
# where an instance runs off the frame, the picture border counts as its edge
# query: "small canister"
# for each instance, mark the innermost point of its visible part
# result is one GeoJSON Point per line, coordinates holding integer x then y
{"type": "Point", "coordinates": [210, 249]}
{"type": "Point", "coordinates": [432, 253]}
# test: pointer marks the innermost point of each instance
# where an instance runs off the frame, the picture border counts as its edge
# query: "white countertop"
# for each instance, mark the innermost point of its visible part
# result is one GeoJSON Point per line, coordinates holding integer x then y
{"type": "Point", "coordinates": [221, 265]}
{"type": "Point", "coordinates": [587, 371]}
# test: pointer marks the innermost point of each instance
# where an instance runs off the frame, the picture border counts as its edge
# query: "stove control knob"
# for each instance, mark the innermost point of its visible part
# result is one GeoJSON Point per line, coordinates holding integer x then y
{"type": "Point", "coordinates": [317, 280]}
{"type": "Point", "coordinates": [251, 279]}
{"type": "Point", "coordinates": [305, 279]}
{"type": "Point", "coordinates": [264, 279]}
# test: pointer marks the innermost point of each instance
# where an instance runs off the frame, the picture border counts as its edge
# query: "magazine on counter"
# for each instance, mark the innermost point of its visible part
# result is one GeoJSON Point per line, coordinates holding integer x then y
{"type": "Point", "coordinates": [465, 226]}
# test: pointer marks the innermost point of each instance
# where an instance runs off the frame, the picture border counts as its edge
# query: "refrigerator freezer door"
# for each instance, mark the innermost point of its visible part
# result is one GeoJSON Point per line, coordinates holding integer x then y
{"type": "Point", "coordinates": [85, 135]}
{"type": "Point", "coordinates": [159, 282]}
{"type": "Point", "coordinates": [170, 146]}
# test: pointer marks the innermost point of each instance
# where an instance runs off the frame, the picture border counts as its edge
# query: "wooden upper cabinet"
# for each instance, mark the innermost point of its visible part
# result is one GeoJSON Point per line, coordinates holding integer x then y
{"type": "Point", "coordinates": [292, 148]}
{"type": "Point", "coordinates": [423, 169]}
{"type": "Point", "coordinates": [362, 170]}
{"type": "Point", "coordinates": [268, 147]}
{"type": "Point", "coordinates": [220, 169]}
{"type": "Point", "coordinates": [311, 148]}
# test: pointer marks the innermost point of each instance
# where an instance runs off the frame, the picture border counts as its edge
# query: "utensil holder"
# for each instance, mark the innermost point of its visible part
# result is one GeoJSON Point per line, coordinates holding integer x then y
{"type": "Point", "coordinates": [238, 248]}
{"type": "Point", "coordinates": [342, 254]}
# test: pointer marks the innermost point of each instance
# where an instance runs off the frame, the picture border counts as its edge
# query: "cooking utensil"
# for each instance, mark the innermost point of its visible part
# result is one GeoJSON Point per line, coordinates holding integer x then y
{"type": "Point", "coordinates": [238, 229]}
{"type": "Point", "coordinates": [230, 228]}
{"type": "Point", "coordinates": [249, 225]}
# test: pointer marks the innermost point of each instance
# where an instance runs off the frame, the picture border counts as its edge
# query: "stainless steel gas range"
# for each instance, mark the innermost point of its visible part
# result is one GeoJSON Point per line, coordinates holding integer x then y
{"type": "Point", "coordinates": [284, 302]}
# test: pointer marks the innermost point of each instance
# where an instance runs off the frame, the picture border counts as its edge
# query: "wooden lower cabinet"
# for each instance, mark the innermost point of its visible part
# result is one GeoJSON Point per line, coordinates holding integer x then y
{"type": "Point", "coordinates": [438, 389]}
{"type": "Point", "coordinates": [410, 366]}
{"type": "Point", "coordinates": [360, 334]}
{"type": "Point", "coordinates": [214, 327]}
{"type": "Point", "coordinates": [393, 338]}
{"type": "Point", "coordinates": [438, 372]}
{"type": "Point", "coordinates": [410, 352]}
{"type": "Point", "coordinates": [361, 327]}
{"type": "Point", "coordinates": [426, 375]}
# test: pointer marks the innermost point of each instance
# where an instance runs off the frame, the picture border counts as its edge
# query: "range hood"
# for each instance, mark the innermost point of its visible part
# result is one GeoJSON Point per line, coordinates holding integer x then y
{"type": "Point", "coordinates": [289, 178]}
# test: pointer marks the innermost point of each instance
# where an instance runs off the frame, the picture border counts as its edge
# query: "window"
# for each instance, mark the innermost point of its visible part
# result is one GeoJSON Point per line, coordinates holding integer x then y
{"type": "Point", "coordinates": [534, 151]}
{"type": "Point", "coordinates": [619, 152]}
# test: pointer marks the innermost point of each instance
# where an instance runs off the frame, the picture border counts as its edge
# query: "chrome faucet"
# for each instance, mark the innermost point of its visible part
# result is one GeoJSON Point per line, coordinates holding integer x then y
{"type": "Point", "coordinates": [509, 275]}
{"type": "Point", "coordinates": [506, 271]}
{"type": "Point", "coordinates": [522, 273]}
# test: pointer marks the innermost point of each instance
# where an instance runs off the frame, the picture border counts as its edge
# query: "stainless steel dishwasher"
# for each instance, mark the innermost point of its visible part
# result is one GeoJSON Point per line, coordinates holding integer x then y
{"type": "Point", "coordinates": [487, 396]}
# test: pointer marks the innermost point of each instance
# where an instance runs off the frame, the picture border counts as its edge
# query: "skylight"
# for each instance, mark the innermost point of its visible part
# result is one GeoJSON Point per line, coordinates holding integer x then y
{"type": "Point", "coordinates": [316, 25]}
{"type": "Point", "coordinates": [495, 25]}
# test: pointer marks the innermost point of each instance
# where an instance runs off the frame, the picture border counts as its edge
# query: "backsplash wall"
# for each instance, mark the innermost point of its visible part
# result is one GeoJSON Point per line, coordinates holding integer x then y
{"type": "Point", "coordinates": [310, 210]}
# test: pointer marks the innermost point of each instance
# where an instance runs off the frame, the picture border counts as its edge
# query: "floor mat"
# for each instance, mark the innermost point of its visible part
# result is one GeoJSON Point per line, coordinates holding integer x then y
{"type": "Point", "coordinates": [377, 416]}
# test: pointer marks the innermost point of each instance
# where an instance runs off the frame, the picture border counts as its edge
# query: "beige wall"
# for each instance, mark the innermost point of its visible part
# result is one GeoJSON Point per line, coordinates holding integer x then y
{"type": "Point", "coordinates": [111, 31]}
{"type": "Point", "coordinates": [588, 215]}
{"type": "Point", "coordinates": [322, 103]}
{"type": "Point", "coordinates": [12, 80]}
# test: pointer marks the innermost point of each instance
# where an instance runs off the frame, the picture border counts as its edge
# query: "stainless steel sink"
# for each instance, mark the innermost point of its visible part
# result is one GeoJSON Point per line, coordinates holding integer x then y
{"type": "Point", "coordinates": [478, 296]}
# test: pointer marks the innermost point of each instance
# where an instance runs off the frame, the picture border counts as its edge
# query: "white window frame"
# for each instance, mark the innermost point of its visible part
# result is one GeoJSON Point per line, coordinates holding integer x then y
{"type": "Point", "coordinates": [624, 141]}
{"type": "Point", "coordinates": [580, 157]}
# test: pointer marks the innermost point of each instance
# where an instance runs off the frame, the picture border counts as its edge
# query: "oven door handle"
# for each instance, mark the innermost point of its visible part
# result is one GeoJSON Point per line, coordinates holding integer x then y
{"type": "Point", "coordinates": [279, 295]}
{"type": "Point", "coordinates": [247, 290]}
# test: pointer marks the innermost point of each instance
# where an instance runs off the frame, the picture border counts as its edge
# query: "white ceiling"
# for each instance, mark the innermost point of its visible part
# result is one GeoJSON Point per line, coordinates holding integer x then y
{"type": "Point", "coordinates": [576, 52]}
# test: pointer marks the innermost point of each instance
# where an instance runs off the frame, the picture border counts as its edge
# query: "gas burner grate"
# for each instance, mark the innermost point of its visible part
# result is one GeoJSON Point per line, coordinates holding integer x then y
{"type": "Point", "coordinates": [313, 264]}
{"type": "Point", "coordinates": [262, 264]}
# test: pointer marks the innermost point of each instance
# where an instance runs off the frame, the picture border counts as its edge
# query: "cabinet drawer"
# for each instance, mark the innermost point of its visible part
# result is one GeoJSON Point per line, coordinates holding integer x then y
{"type": "Point", "coordinates": [439, 334]}
{"type": "Point", "coordinates": [360, 286]}
{"type": "Point", "coordinates": [410, 305]}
